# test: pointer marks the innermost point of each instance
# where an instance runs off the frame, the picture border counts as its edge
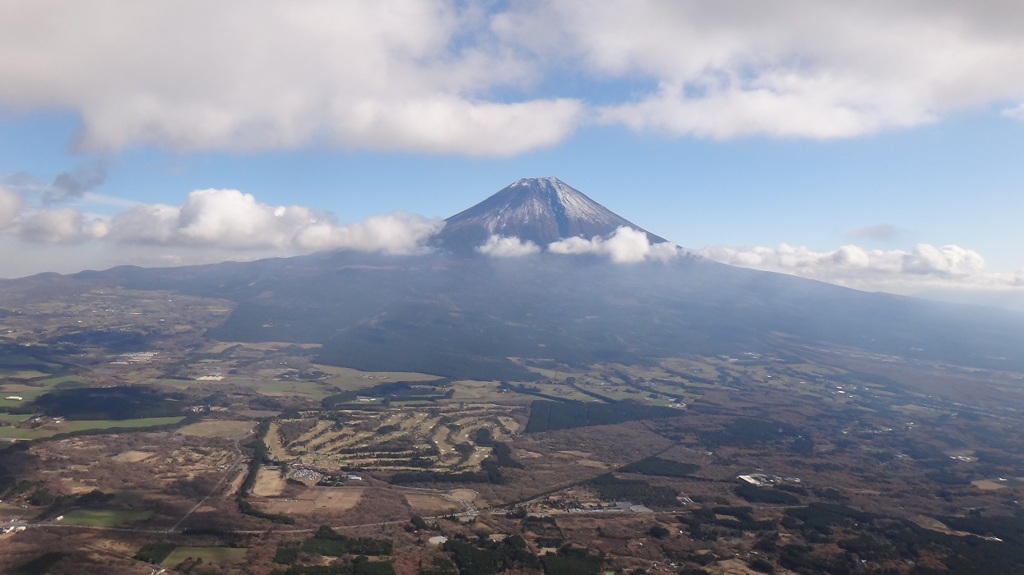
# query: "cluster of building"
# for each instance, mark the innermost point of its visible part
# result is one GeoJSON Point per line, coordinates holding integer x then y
{"type": "Point", "coordinates": [570, 503]}
{"type": "Point", "coordinates": [321, 476]}
{"type": "Point", "coordinates": [11, 529]}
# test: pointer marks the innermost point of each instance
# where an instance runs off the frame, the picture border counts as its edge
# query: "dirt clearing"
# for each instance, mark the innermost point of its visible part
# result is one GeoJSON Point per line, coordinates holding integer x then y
{"type": "Point", "coordinates": [431, 504]}
{"type": "Point", "coordinates": [269, 483]}
{"type": "Point", "coordinates": [324, 498]}
{"type": "Point", "coordinates": [133, 456]}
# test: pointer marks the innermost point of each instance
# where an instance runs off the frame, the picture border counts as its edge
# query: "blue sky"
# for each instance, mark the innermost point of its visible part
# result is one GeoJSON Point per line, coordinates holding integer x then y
{"type": "Point", "coordinates": [870, 145]}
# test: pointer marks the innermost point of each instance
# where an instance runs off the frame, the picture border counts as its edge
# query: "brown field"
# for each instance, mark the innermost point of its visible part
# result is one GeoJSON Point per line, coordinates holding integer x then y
{"type": "Point", "coordinates": [936, 525]}
{"type": "Point", "coordinates": [431, 504]}
{"type": "Point", "coordinates": [133, 456]}
{"type": "Point", "coordinates": [75, 487]}
{"type": "Point", "coordinates": [269, 483]}
{"type": "Point", "coordinates": [218, 428]}
{"type": "Point", "coordinates": [319, 498]}
{"type": "Point", "coordinates": [735, 567]}
{"type": "Point", "coordinates": [988, 485]}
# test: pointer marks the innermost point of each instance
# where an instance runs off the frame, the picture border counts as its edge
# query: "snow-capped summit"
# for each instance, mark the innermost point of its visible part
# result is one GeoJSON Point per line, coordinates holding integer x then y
{"type": "Point", "coordinates": [541, 210]}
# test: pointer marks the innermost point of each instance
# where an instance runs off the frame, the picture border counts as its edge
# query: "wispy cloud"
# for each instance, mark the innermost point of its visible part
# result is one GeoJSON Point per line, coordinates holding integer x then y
{"type": "Point", "coordinates": [1015, 112]}
{"type": "Point", "coordinates": [10, 207]}
{"type": "Point", "coordinates": [75, 183]}
{"type": "Point", "coordinates": [902, 271]}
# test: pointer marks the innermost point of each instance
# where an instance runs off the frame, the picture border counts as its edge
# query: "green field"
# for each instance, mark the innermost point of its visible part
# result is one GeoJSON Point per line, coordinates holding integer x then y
{"type": "Point", "coordinates": [51, 429]}
{"type": "Point", "coordinates": [106, 517]}
{"type": "Point", "coordinates": [37, 388]}
{"type": "Point", "coordinates": [13, 511]}
{"type": "Point", "coordinates": [486, 392]}
{"type": "Point", "coordinates": [25, 392]}
{"type": "Point", "coordinates": [207, 554]}
{"type": "Point", "coordinates": [65, 380]}
{"type": "Point", "coordinates": [270, 385]}
{"type": "Point", "coordinates": [25, 374]}
{"type": "Point", "coordinates": [14, 419]}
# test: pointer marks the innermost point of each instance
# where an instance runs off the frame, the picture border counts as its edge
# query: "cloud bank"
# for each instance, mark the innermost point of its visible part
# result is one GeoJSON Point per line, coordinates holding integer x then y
{"type": "Point", "coordinates": [625, 245]}
{"type": "Point", "coordinates": [221, 219]}
{"type": "Point", "coordinates": [441, 76]}
{"type": "Point", "coordinates": [828, 70]}
{"type": "Point", "coordinates": [924, 267]}
{"type": "Point", "coordinates": [508, 247]}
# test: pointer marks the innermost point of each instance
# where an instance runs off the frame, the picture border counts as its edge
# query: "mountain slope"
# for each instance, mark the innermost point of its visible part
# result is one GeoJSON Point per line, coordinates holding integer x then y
{"type": "Point", "coordinates": [540, 210]}
{"type": "Point", "coordinates": [465, 317]}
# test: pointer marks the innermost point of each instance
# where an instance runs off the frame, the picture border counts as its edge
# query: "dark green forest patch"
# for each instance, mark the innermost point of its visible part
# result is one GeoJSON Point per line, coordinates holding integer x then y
{"type": "Point", "coordinates": [115, 403]}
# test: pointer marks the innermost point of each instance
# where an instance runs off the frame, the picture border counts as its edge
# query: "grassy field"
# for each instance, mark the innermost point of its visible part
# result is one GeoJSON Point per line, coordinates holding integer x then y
{"type": "Point", "coordinates": [207, 554]}
{"type": "Point", "coordinates": [106, 517]}
{"type": "Point", "coordinates": [65, 380]}
{"type": "Point", "coordinates": [171, 383]}
{"type": "Point", "coordinates": [354, 380]}
{"type": "Point", "coordinates": [268, 384]}
{"type": "Point", "coordinates": [29, 392]}
{"type": "Point", "coordinates": [218, 428]}
{"type": "Point", "coordinates": [13, 418]}
{"type": "Point", "coordinates": [25, 374]}
{"type": "Point", "coordinates": [13, 511]}
{"type": "Point", "coordinates": [487, 392]}
{"type": "Point", "coordinates": [51, 429]}
{"type": "Point", "coordinates": [25, 392]}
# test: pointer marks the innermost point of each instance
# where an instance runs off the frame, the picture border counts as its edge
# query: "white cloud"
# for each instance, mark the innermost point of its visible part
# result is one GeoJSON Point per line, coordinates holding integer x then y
{"type": "Point", "coordinates": [10, 207]}
{"type": "Point", "coordinates": [59, 226]}
{"type": "Point", "coordinates": [441, 76]}
{"type": "Point", "coordinates": [828, 69]}
{"type": "Point", "coordinates": [508, 247]}
{"type": "Point", "coordinates": [398, 233]}
{"type": "Point", "coordinates": [449, 124]}
{"type": "Point", "coordinates": [195, 76]}
{"type": "Point", "coordinates": [1016, 112]}
{"type": "Point", "coordinates": [217, 220]}
{"type": "Point", "coordinates": [232, 219]}
{"type": "Point", "coordinates": [626, 245]}
{"type": "Point", "coordinates": [924, 267]}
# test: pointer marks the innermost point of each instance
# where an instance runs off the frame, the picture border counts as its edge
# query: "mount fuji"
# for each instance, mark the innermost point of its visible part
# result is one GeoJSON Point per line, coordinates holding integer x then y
{"type": "Point", "coordinates": [456, 312]}
{"type": "Point", "coordinates": [538, 210]}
